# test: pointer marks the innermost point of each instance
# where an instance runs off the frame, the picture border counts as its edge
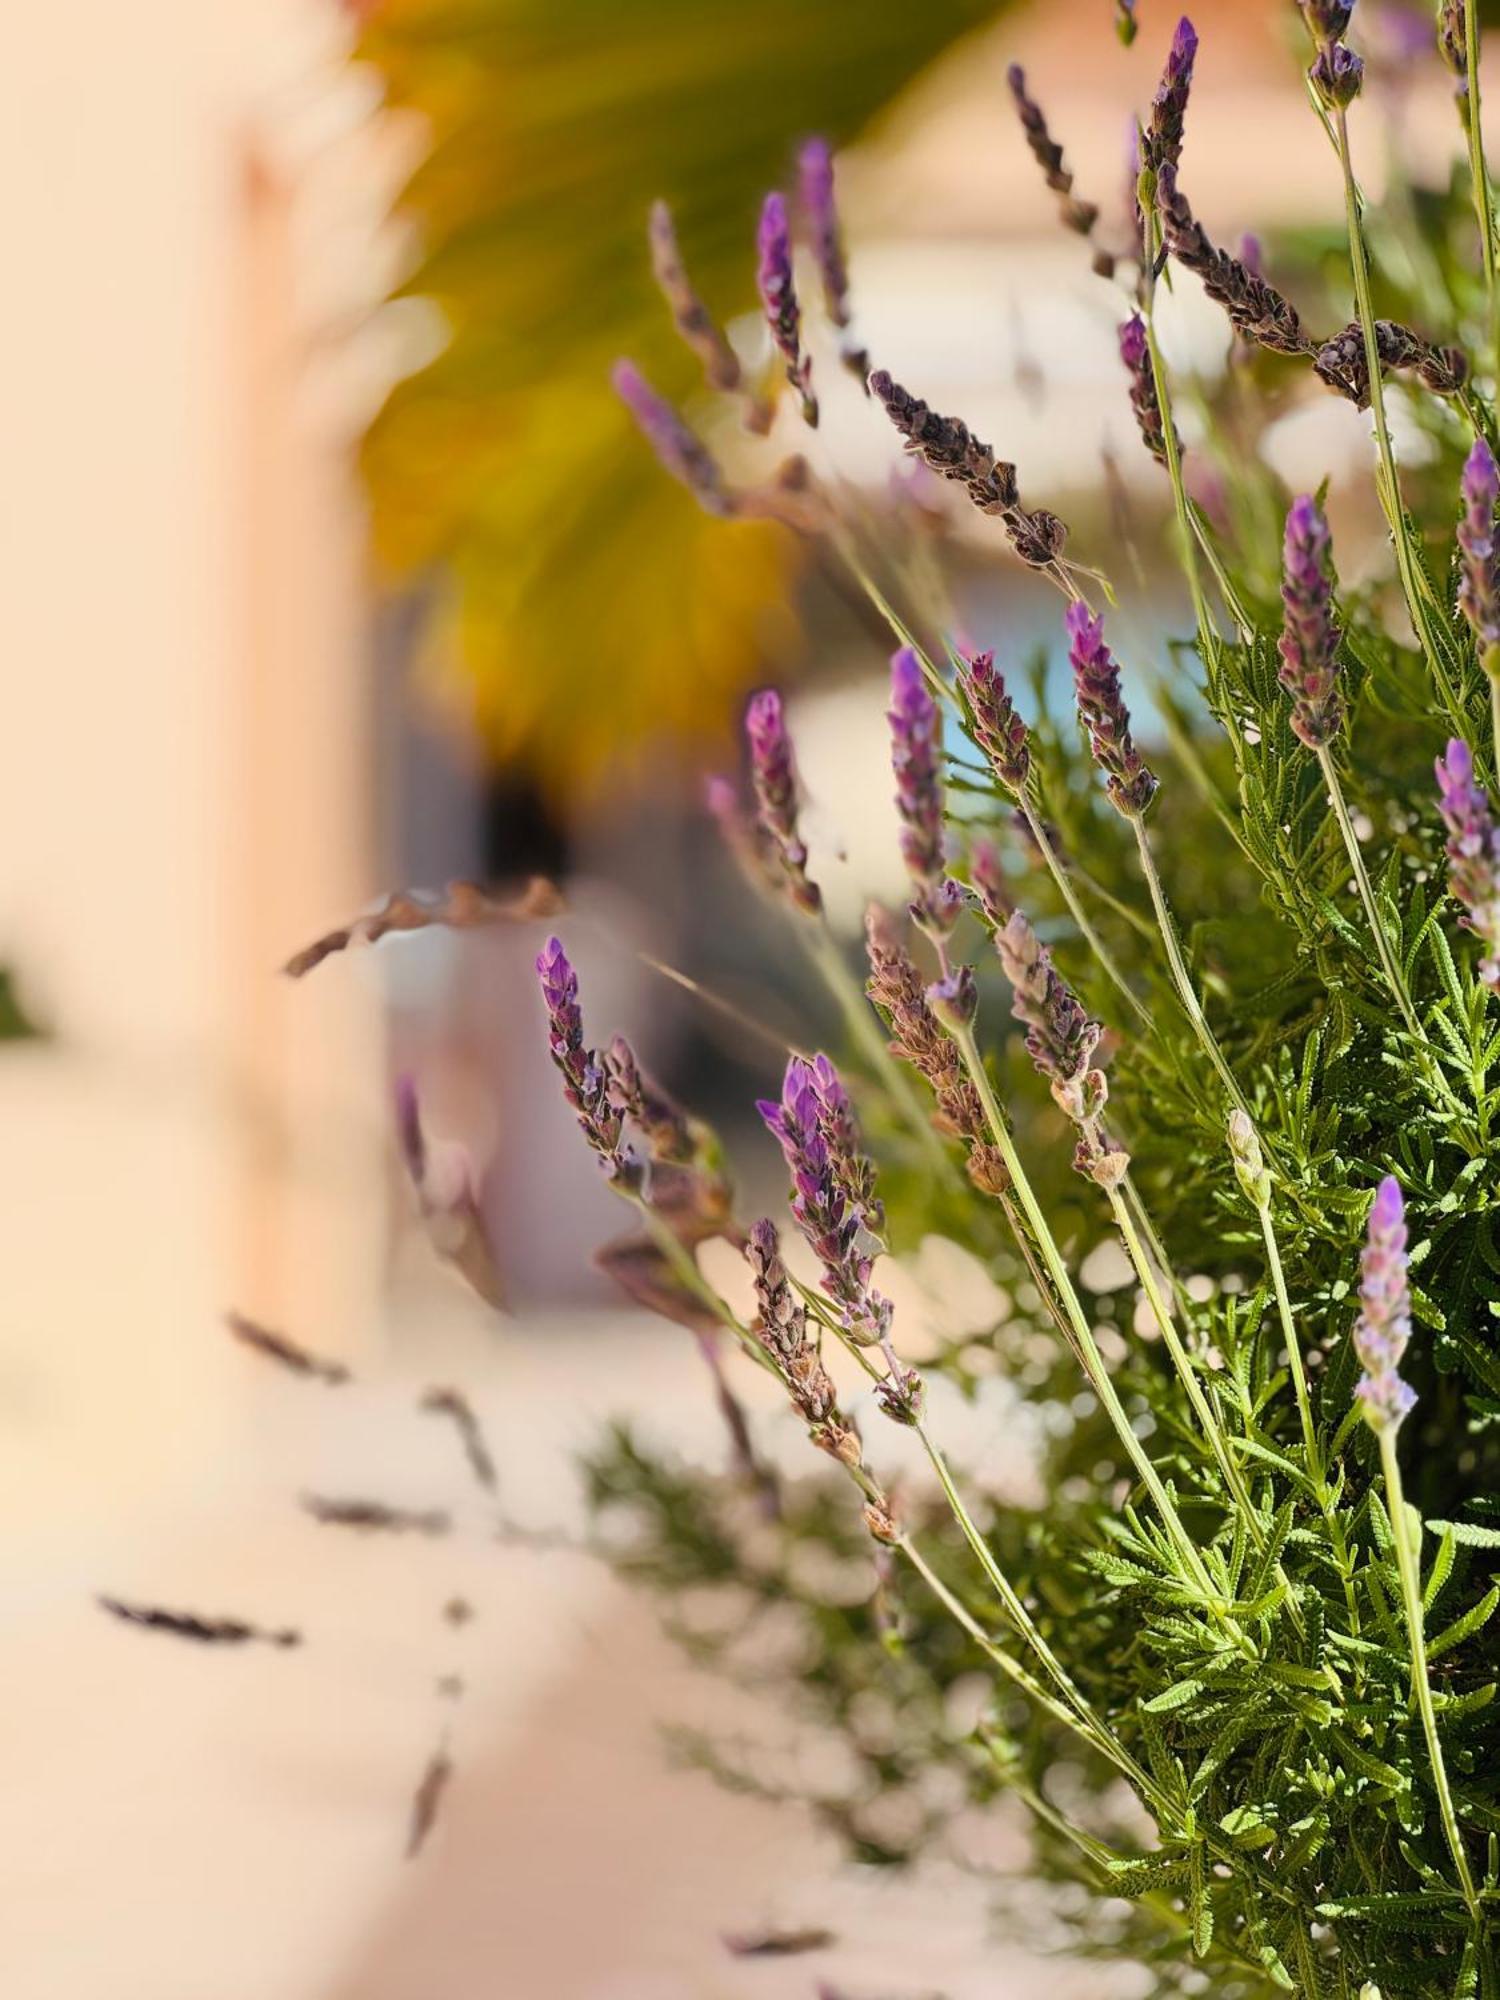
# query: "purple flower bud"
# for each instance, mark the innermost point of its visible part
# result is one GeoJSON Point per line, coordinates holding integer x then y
{"type": "Point", "coordinates": [1473, 850]}
{"type": "Point", "coordinates": [1163, 138]}
{"type": "Point", "coordinates": [1337, 75]}
{"type": "Point", "coordinates": [1079, 216]}
{"type": "Point", "coordinates": [778, 292]}
{"type": "Point", "coordinates": [1101, 707]}
{"type": "Point", "coordinates": [1327, 19]}
{"type": "Point", "coordinates": [1310, 633]}
{"type": "Point", "coordinates": [998, 730]}
{"type": "Point", "coordinates": [1384, 1325]}
{"type": "Point", "coordinates": [586, 1081]}
{"type": "Point", "coordinates": [813, 1134]}
{"type": "Point", "coordinates": [773, 773]}
{"type": "Point", "coordinates": [988, 880]}
{"type": "Point", "coordinates": [1479, 552]}
{"type": "Point", "coordinates": [1135, 352]}
{"type": "Point", "coordinates": [916, 754]}
{"type": "Point", "coordinates": [1252, 254]}
{"type": "Point", "coordinates": [954, 998]}
{"type": "Point", "coordinates": [683, 454]}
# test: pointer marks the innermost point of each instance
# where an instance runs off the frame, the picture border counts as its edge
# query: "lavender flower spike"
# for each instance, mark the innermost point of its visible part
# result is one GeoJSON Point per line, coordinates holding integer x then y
{"type": "Point", "coordinates": [685, 456]}
{"type": "Point", "coordinates": [1479, 549]}
{"type": "Point", "coordinates": [1310, 633]}
{"type": "Point", "coordinates": [774, 775]}
{"type": "Point", "coordinates": [691, 317]}
{"type": "Point", "coordinates": [1384, 1325]}
{"type": "Point", "coordinates": [1162, 146]}
{"type": "Point", "coordinates": [778, 292]}
{"type": "Point", "coordinates": [1473, 851]}
{"type": "Point", "coordinates": [816, 199]}
{"type": "Point", "coordinates": [1135, 352]}
{"type": "Point", "coordinates": [1130, 782]}
{"type": "Point", "coordinates": [586, 1080]}
{"type": "Point", "coordinates": [916, 754]}
{"type": "Point", "coordinates": [1060, 1037]}
{"type": "Point", "coordinates": [1453, 42]}
{"type": "Point", "coordinates": [998, 730]}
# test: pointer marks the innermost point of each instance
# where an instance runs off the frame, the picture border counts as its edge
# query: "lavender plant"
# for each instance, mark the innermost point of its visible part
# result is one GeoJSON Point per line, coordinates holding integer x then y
{"type": "Point", "coordinates": [1257, 1602]}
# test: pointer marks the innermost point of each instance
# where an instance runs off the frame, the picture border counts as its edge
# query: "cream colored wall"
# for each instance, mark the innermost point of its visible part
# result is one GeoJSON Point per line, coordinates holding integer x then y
{"type": "Point", "coordinates": [184, 762]}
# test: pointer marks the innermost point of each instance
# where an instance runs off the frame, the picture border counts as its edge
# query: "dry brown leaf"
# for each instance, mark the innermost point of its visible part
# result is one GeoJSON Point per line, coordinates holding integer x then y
{"type": "Point", "coordinates": [462, 906]}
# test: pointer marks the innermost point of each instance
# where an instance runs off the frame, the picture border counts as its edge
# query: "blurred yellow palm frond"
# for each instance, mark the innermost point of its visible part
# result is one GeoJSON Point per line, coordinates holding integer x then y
{"type": "Point", "coordinates": [591, 611]}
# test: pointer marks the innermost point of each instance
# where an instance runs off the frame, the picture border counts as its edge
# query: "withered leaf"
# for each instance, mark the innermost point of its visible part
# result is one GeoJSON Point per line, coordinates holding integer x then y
{"type": "Point", "coordinates": [203, 1631]}
{"type": "Point", "coordinates": [641, 1269]}
{"type": "Point", "coordinates": [461, 906]}
{"type": "Point", "coordinates": [426, 1800]}
{"type": "Point", "coordinates": [778, 1944]}
{"type": "Point", "coordinates": [375, 1516]}
{"type": "Point", "coordinates": [286, 1353]}
{"type": "Point", "coordinates": [453, 1404]}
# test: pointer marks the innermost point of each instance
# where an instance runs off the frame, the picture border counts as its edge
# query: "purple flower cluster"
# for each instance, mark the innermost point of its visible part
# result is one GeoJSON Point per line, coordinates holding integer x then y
{"type": "Point", "coordinates": [1384, 1325]}
{"type": "Point", "coordinates": [778, 292]}
{"type": "Point", "coordinates": [1310, 633]}
{"type": "Point", "coordinates": [781, 1327]}
{"type": "Point", "coordinates": [1162, 142]}
{"type": "Point", "coordinates": [586, 1078]}
{"type": "Point", "coordinates": [773, 774]}
{"type": "Point", "coordinates": [1135, 352]}
{"type": "Point", "coordinates": [1060, 1037]}
{"type": "Point", "coordinates": [916, 759]}
{"type": "Point", "coordinates": [830, 1190]}
{"type": "Point", "coordinates": [1473, 850]}
{"type": "Point", "coordinates": [1131, 784]}
{"type": "Point", "coordinates": [682, 454]}
{"type": "Point", "coordinates": [1337, 72]}
{"type": "Point", "coordinates": [998, 730]}
{"type": "Point", "coordinates": [1478, 549]}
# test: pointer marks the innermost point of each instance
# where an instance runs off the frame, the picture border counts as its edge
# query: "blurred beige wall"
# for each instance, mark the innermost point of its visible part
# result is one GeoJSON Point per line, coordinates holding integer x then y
{"type": "Point", "coordinates": [185, 763]}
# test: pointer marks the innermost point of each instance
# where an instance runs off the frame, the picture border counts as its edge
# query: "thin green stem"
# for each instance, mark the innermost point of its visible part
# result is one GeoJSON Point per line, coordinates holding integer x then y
{"type": "Point", "coordinates": [1494, 680]}
{"type": "Point", "coordinates": [1411, 1595]}
{"type": "Point", "coordinates": [1389, 967]}
{"type": "Point", "coordinates": [1075, 909]}
{"type": "Point", "coordinates": [1484, 210]}
{"type": "Point", "coordinates": [1181, 978]}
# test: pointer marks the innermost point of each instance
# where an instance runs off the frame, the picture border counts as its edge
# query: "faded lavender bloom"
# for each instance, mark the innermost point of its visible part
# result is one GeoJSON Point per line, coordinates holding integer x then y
{"type": "Point", "coordinates": [1384, 1325]}
{"type": "Point", "coordinates": [816, 197]}
{"type": "Point", "coordinates": [1060, 1037]}
{"type": "Point", "coordinates": [831, 1221]}
{"type": "Point", "coordinates": [998, 730]}
{"type": "Point", "coordinates": [1453, 42]}
{"type": "Point", "coordinates": [852, 1166]}
{"type": "Point", "coordinates": [781, 1328]}
{"type": "Point", "coordinates": [1079, 216]}
{"type": "Point", "coordinates": [1310, 633]}
{"type": "Point", "coordinates": [1162, 144]}
{"type": "Point", "coordinates": [916, 759]}
{"type": "Point", "coordinates": [778, 292]}
{"type": "Point", "coordinates": [1249, 1162]}
{"type": "Point", "coordinates": [773, 773]}
{"type": "Point", "coordinates": [1327, 19]}
{"type": "Point", "coordinates": [1337, 75]}
{"type": "Point", "coordinates": [948, 447]}
{"type": "Point", "coordinates": [691, 317]}
{"type": "Point", "coordinates": [1131, 784]}
{"type": "Point", "coordinates": [1343, 363]}
{"type": "Point", "coordinates": [683, 454]}
{"type": "Point", "coordinates": [1255, 308]}
{"type": "Point", "coordinates": [896, 988]}
{"type": "Point", "coordinates": [1135, 352]}
{"type": "Point", "coordinates": [1479, 551]}
{"type": "Point", "coordinates": [446, 1187]}
{"type": "Point", "coordinates": [988, 880]}
{"type": "Point", "coordinates": [1473, 851]}
{"type": "Point", "coordinates": [586, 1080]}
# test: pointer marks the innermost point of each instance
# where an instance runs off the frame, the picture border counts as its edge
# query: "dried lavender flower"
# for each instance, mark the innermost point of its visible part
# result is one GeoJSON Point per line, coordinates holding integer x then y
{"type": "Point", "coordinates": [1453, 42]}
{"type": "Point", "coordinates": [1162, 142]}
{"type": "Point", "coordinates": [1060, 1037]}
{"type": "Point", "coordinates": [1131, 784]}
{"type": "Point", "coordinates": [691, 317]}
{"type": "Point", "coordinates": [916, 759]}
{"type": "Point", "coordinates": [781, 1327]}
{"type": "Point", "coordinates": [773, 774]}
{"type": "Point", "coordinates": [815, 195]}
{"type": "Point", "coordinates": [832, 1223]}
{"type": "Point", "coordinates": [1327, 20]}
{"type": "Point", "coordinates": [1342, 361]}
{"type": "Point", "coordinates": [1255, 308]}
{"type": "Point", "coordinates": [683, 454]}
{"type": "Point", "coordinates": [1079, 216]}
{"type": "Point", "coordinates": [586, 1082]}
{"type": "Point", "coordinates": [1473, 850]}
{"type": "Point", "coordinates": [1310, 633]}
{"type": "Point", "coordinates": [1479, 549]}
{"type": "Point", "coordinates": [998, 730]}
{"type": "Point", "coordinates": [1383, 1328]}
{"type": "Point", "coordinates": [1135, 352]}
{"type": "Point", "coordinates": [778, 292]}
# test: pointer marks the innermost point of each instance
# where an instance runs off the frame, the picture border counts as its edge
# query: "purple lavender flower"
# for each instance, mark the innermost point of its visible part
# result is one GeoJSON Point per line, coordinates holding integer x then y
{"type": "Point", "coordinates": [685, 456]}
{"type": "Point", "coordinates": [1131, 784]}
{"type": "Point", "coordinates": [998, 730]}
{"type": "Point", "coordinates": [778, 292]}
{"type": "Point", "coordinates": [1135, 352]}
{"type": "Point", "coordinates": [1327, 19]}
{"type": "Point", "coordinates": [1337, 75]}
{"type": "Point", "coordinates": [1453, 42]}
{"type": "Point", "coordinates": [1060, 1037]}
{"type": "Point", "coordinates": [1252, 254]}
{"type": "Point", "coordinates": [586, 1081]}
{"type": "Point", "coordinates": [815, 194]}
{"type": "Point", "coordinates": [1479, 551]}
{"type": "Point", "coordinates": [916, 759]}
{"type": "Point", "coordinates": [1384, 1325]}
{"type": "Point", "coordinates": [989, 881]}
{"type": "Point", "coordinates": [833, 1224]}
{"type": "Point", "coordinates": [773, 772]}
{"type": "Point", "coordinates": [691, 317]}
{"type": "Point", "coordinates": [1162, 145]}
{"type": "Point", "coordinates": [1310, 633]}
{"type": "Point", "coordinates": [1473, 850]}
